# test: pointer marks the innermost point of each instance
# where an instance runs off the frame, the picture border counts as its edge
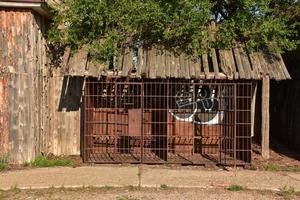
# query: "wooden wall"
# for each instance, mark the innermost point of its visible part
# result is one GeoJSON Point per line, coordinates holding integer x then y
{"type": "Point", "coordinates": [64, 125]}
{"type": "Point", "coordinates": [39, 108]}
{"type": "Point", "coordinates": [285, 112]}
{"type": "Point", "coordinates": [22, 69]}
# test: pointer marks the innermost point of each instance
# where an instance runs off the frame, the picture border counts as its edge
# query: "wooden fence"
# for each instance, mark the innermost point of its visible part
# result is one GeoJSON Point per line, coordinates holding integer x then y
{"type": "Point", "coordinates": [285, 112]}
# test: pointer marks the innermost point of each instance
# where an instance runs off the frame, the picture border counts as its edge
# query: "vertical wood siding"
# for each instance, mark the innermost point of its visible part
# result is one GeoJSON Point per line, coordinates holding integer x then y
{"type": "Point", "coordinates": [39, 112]}
{"type": "Point", "coordinates": [285, 112]}
{"type": "Point", "coordinates": [23, 62]}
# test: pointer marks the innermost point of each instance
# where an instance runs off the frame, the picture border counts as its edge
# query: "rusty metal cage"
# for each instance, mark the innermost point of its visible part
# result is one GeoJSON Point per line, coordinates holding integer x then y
{"type": "Point", "coordinates": [167, 121]}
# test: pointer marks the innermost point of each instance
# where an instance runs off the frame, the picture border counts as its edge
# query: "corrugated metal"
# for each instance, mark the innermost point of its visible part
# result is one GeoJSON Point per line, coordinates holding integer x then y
{"type": "Point", "coordinates": [235, 63]}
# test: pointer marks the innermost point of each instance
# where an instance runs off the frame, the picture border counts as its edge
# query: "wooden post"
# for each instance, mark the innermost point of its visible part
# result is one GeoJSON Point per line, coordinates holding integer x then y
{"type": "Point", "coordinates": [253, 107]}
{"type": "Point", "coordinates": [265, 125]}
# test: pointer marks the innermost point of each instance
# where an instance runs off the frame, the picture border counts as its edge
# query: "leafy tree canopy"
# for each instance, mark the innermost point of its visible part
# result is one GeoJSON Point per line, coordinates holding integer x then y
{"type": "Point", "coordinates": [107, 25]}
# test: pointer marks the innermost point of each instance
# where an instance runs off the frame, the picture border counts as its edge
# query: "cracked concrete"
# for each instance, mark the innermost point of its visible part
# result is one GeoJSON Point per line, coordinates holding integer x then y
{"type": "Point", "coordinates": [145, 176]}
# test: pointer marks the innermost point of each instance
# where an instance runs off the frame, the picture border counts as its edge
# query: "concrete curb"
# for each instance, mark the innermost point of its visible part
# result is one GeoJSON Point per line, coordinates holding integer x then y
{"type": "Point", "coordinates": [124, 176]}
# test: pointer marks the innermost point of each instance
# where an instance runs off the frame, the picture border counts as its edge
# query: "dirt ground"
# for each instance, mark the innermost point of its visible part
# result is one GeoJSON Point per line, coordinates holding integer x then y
{"type": "Point", "coordinates": [132, 193]}
{"type": "Point", "coordinates": [280, 155]}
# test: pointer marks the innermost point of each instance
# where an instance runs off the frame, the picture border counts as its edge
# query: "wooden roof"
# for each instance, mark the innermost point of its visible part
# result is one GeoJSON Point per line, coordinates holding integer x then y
{"type": "Point", "coordinates": [231, 64]}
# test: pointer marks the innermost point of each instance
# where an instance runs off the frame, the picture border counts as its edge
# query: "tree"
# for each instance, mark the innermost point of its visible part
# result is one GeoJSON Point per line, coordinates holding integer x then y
{"type": "Point", "coordinates": [106, 26]}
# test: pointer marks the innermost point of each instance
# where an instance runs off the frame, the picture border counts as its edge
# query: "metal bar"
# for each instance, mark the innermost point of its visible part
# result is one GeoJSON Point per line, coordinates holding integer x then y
{"type": "Point", "coordinates": [142, 131]}
{"type": "Point", "coordinates": [235, 119]}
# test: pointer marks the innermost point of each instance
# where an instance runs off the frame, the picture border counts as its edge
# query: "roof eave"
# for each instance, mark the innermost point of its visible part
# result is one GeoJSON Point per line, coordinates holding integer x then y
{"type": "Point", "coordinates": [39, 7]}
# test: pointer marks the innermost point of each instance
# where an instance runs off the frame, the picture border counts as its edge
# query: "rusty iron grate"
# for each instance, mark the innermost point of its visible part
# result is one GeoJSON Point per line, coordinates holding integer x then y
{"type": "Point", "coordinates": [172, 121]}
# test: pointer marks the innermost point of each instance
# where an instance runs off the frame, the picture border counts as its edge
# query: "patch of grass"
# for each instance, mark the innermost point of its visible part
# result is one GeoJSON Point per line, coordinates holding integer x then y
{"type": "Point", "coordinates": [3, 163]}
{"type": "Point", "coordinates": [235, 188]}
{"type": "Point", "coordinates": [26, 164]}
{"type": "Point", "coordinates": [164, 186]}
{"type": "Point", "coordinates": [271, 167]}
{"type": "Point", "coordinates": [42, 161]}
{"type": "Point", "coordinates": [126, 198]}
{"type": "Point", "coordinates": [2, 195]}
{"type": "Point", "coordinates": [287, 192]}
{"type": "Point", "coordinates": [132, 188]}
{"type": "Point", "coordinates": [15, 189]}
{"type": "Point", "coordinates": [292, 168]}
{"type": "Point", "coordinates": [275, 168]}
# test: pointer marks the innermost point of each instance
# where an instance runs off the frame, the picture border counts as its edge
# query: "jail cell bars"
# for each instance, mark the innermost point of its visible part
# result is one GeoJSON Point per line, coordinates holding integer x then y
{"type": "Point", "coordinates": [171, 121]}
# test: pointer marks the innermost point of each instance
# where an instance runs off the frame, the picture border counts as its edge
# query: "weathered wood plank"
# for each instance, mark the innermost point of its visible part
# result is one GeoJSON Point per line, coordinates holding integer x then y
{"type": "Point", "coordinates": [205, 65]}
{"type": "Point", "coordinates": [176, 67]}
{"type": "Point", "coordinates": [186, 67]}
{"type": "Point", "coordinates": [127, 62]}
{"type": "Point", "coordinates": [259, 67]}
{"type": "Point", "coordinates": [287, 75]}
{"type": "Point", "coordinates": [191, 65]}
{"type": "Point", "coordinates": [239, 64]}
{"type": "Point", "coordinates": [278, 74]}
{"type": "Point", "coordinates": [253, 106]}
{"type": "Point", "coordinates": [145, 70]}
{"type": "Point", "coordinates": [225, 64]}
{"type": "Point", "coordinates": [140, 63]}
{"type": "Point", "coordinates": [168, 63]}
{"type": "Point", "coordinates": [232, 64]}
{"type": "Point", "coordinates": [268, 62]}
{"type": "Point", "coordinates": [152, 70]}
{"type": "Point", "coordinates": [255, 66]}
{"type": "Point", "coordinates": [265, 126]}
{"type": "Point", "coordinates": [229, 64]}
{"type": "Point", "coordinates": [163, 66]}
{"type": "Point", "coordinates": [245, 63]}
{"type": "Point", "coordinates": [264, 68]}
{"type": "Point", "coordinates": [215, 62]}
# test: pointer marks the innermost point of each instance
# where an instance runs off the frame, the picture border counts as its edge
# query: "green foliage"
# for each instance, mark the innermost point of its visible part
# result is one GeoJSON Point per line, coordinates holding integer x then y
{"type": "Point", "coordinates": [42, 161]}
{"type": "Point", "coordinates": [287, 192]}
{"type": "Point", "coordinates": [235, 188]}
{"type": "Point", "coordinates": [106, 26]}
{"type": "Point", "coordinates": [3, 162]}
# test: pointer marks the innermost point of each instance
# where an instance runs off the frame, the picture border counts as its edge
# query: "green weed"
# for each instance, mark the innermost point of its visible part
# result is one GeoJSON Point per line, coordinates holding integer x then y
{"type": "Point", "coordinates": [287, 192]}
{"type": "Point", "coordinates": [126, 198]}
{"type": "Point", "coordinates": [275, 168]}
{"type": "Point", "coordinates": [164, 186]}
{"type": "Point", "coordinates": [3, 162]}
{"type": "Point", "coordinates": [15, 189]}
{"type": "Point", "coordinates": [235, 188]}
{"type": "Point", "coordinates": [132, 188]}
{"type": "Point", "coordinates": [42, 161]}
{"type": "Point", "coordinates": [271, 167]}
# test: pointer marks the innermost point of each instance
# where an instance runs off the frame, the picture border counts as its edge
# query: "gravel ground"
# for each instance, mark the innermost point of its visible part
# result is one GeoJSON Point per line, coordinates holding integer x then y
{"type": "Point", "coordinates": [132, 193]}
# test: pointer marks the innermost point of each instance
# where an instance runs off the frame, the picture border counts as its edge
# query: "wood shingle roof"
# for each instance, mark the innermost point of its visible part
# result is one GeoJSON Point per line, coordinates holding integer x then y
{"type": "Point", "coordinates": [232, 64]}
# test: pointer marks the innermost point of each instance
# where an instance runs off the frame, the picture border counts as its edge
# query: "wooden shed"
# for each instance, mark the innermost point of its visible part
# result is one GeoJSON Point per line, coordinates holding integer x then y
{"type": "Point", "coordinates": [151, 106]}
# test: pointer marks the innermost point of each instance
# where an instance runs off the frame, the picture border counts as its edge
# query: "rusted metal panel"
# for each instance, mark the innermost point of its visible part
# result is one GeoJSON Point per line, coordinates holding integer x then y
{"type": "Point", "coordinates": [134, 122]}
